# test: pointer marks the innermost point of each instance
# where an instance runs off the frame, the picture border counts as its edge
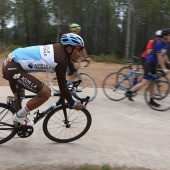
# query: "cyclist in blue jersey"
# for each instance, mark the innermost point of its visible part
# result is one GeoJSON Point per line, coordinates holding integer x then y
{"type": "Point", "coordinates": [157, 56]}
{"type": "Point", "coordinates": [53, 57]}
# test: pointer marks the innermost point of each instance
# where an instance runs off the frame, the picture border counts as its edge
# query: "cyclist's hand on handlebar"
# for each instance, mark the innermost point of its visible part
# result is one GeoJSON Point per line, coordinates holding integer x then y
{"type": "Point", "coordinates": [79, 106]}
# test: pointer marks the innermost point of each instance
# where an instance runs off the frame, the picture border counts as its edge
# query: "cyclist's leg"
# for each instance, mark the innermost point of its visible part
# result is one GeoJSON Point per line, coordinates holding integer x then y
{"type": "Point", "coordinates": [16, 75]}
{"type": "Point", "coordinates": [144, 81]}
{"type": "Point", "coordinates": [21, 93]}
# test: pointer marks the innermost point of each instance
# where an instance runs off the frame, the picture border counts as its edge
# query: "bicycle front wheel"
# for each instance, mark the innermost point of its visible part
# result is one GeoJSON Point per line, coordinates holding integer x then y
{"type": "Point", "coordinates": [57, 129]}
{"type": "Point", "coordinates": [115, 85]}
{"type": "Point", "coordinates": [160, 90]}
{"type": "Point", "coordinates": [7, 127]}
{"type": "Point", "coordinates": [88, 86]}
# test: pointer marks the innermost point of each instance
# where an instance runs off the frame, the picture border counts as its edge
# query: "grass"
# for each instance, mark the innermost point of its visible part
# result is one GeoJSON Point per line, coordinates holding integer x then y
{"type": "Point", "coordinates": [109, 58]}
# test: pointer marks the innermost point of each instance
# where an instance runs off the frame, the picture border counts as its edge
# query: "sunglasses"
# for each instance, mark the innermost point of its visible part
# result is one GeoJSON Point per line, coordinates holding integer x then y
{"type": "Point", "coordinates": [78, 47]}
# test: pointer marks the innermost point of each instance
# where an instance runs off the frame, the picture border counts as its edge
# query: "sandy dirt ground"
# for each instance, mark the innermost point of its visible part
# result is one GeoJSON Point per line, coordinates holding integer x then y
{"type": "Point", "coordinates": [122, 134]}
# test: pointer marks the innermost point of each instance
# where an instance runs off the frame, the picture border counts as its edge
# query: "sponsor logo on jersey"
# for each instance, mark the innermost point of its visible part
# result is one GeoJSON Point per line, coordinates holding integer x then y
{"type": "Point", "coordinates": [163, 51]}
{"type": "Point", "coordinates": [30, 65]}
{"type": "Point", "coordinates": [38, 66]}
{"type": "Point", "coordinates": [28, 84]}
{"type": "Point", "coordinates": [46, 50]}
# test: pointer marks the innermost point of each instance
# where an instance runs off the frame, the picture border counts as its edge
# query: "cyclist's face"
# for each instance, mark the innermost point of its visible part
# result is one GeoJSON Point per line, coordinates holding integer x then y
{"type": "Point", "coordinates": [76, 53]}
{"type": "Point", "coordinates": [74, 30]}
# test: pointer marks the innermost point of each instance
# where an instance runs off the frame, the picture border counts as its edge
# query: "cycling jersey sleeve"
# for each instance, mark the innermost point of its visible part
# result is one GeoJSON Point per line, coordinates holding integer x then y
{"type": "Point", "coordinates": [161, 47]}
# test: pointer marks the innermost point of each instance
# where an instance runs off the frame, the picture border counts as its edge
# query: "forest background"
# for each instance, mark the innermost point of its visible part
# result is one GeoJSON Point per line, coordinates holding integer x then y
{"type": "Point", "coordinates": [117, 28]}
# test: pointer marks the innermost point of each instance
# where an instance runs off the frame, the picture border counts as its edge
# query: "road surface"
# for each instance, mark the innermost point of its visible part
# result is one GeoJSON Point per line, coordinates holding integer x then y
{"type": "Point", "coordinates": [122, 133]}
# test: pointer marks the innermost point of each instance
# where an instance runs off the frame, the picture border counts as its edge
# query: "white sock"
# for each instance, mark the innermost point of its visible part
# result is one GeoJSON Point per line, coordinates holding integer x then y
{"type": "Point", "coordinates": [23, 112]}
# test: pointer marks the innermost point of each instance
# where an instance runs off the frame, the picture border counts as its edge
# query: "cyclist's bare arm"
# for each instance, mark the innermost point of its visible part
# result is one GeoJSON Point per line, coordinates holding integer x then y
{"type": "Point", "coordinates": [161, 61]}
{"type": "Point", "coordinates": [166, 59]}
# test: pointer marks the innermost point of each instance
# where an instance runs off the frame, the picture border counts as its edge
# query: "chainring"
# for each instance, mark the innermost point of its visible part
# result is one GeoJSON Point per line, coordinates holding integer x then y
{"type": "Point", "coordinates": [24, 131]}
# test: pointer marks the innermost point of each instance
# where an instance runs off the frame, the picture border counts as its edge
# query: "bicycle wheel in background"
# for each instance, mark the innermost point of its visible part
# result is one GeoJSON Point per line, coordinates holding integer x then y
{"type": "Point", "coordinates": [114, 87]}
{"type": "Point", "coordinates": [87, 87]}
{"type": "Point", "coordinates": [161, 90]}
{"type": "Point", "coordinates": [7, 128]}
{"type": "Point", "coordinates": [52, 81]}
{"type": "Point", "coordinates": [125, 70]}
{"type": "Point", "coordinates": [57, 129]}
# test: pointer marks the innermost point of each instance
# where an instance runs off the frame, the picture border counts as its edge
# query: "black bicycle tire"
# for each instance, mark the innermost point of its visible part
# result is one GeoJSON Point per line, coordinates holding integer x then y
{"type": "Point", "coordinates": [129, 67]}
{"type": "Point", "coordinates": [14, 131]}
{"type": "Point", "coordinates": [51, 137]}
{"type": "Point", "coordinates": [104, 85]}
{"type": "Point", "coordinates": [145, 96]}
{"type": "Point", "coordinates": [168, 90]}
{"type": "Point", "coordinates": [94, 86]}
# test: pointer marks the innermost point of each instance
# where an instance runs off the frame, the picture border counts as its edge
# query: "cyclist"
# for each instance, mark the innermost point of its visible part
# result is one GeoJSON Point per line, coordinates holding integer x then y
{"type": "Point", "coordinates": [74, 66]}
{"type": "Point", "coordinates": [148, 48]}
{"type": "Point", "coordinates": [157, 56]}
{"type": "Point", "coordinates": [149, 45]}
{"type": "Point", "coordinates": [53, 57]}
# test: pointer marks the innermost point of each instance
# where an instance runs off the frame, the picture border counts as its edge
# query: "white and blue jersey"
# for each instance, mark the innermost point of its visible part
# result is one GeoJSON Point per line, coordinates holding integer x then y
{"type": "Point", "coordinates": [159, 47]}
{"type": "Point", "coordinates": [35, 58]}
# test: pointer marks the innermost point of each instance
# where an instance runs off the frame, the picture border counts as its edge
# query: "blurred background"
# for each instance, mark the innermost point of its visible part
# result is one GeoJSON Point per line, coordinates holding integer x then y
{"type": "Point", "coordinates": [117, 28]}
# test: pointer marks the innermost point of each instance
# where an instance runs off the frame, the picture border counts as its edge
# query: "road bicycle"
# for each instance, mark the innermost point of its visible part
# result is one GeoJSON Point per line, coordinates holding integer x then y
{"type": "Point", "coordinates": [87, 87]}
{"type": "Point", "coordinates": [61, 124]}
{"type": "Point", "coordinates": [116, 84]}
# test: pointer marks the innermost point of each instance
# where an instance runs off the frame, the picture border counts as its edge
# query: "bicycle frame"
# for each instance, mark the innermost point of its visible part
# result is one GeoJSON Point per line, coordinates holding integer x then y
{"type": "Point", "coordinates": [60, 101]}
{"type": "Point", "coordinates": [132, 72]}
{"type": "Point", "coordinates": [39, 116]}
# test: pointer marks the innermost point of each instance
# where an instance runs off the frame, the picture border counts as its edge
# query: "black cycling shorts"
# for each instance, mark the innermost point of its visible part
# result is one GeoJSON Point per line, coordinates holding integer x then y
{"type": "Point", "coordinates": [149, 68]}
{"type": "Point", "coordinates": [14, 73]}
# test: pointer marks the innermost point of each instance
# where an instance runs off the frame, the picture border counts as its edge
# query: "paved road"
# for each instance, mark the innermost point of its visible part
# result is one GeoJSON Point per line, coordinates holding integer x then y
{"type": "Point", "coordinates": [122, 133]}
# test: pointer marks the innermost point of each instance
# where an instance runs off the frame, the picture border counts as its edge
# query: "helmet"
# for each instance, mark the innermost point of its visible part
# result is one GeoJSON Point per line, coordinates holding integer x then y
{"type": "Point", "coordinates": [74, 25]}
{"type": "Point", "coordinates": [158, 33]}
{"type": "Point", "coordinates": [72, 39]}
{"type": "Point", "coordinates": [166, 31]}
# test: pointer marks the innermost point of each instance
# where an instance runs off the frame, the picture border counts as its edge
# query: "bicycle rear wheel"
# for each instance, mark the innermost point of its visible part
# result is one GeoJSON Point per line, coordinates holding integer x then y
{"type": "Point", "coordinates": [7, 128]}
{"type": "Point", "coordinates": [115, 86]}
{"type": "Point", "coordinates": [88, 86]}
{"type": "Point", "coordinates": [161, 90]}
{"type": "Point", "coordinates": [125, 70]}
{"type": "Point", "coordinates": [57, 129]}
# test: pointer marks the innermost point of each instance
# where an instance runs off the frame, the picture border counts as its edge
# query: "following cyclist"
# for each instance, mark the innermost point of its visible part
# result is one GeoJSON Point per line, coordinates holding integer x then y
{"type": "Point", "coordinates": [53, 57]}
{"type": "Point", "coordinates": [149, 45]}
{"type": "Point", "coordinates": [157, 56]}
{"type": "Point", "coordinates": [74, 66]}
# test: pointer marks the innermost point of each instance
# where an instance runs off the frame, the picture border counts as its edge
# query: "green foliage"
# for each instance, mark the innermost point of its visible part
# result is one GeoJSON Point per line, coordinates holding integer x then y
{"type": "Point", "coordinates": [103, 23]}
{"type": "Point", "coordinates": [109, 58]}
{"type": "Point", "coordinates": [96, 167]}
